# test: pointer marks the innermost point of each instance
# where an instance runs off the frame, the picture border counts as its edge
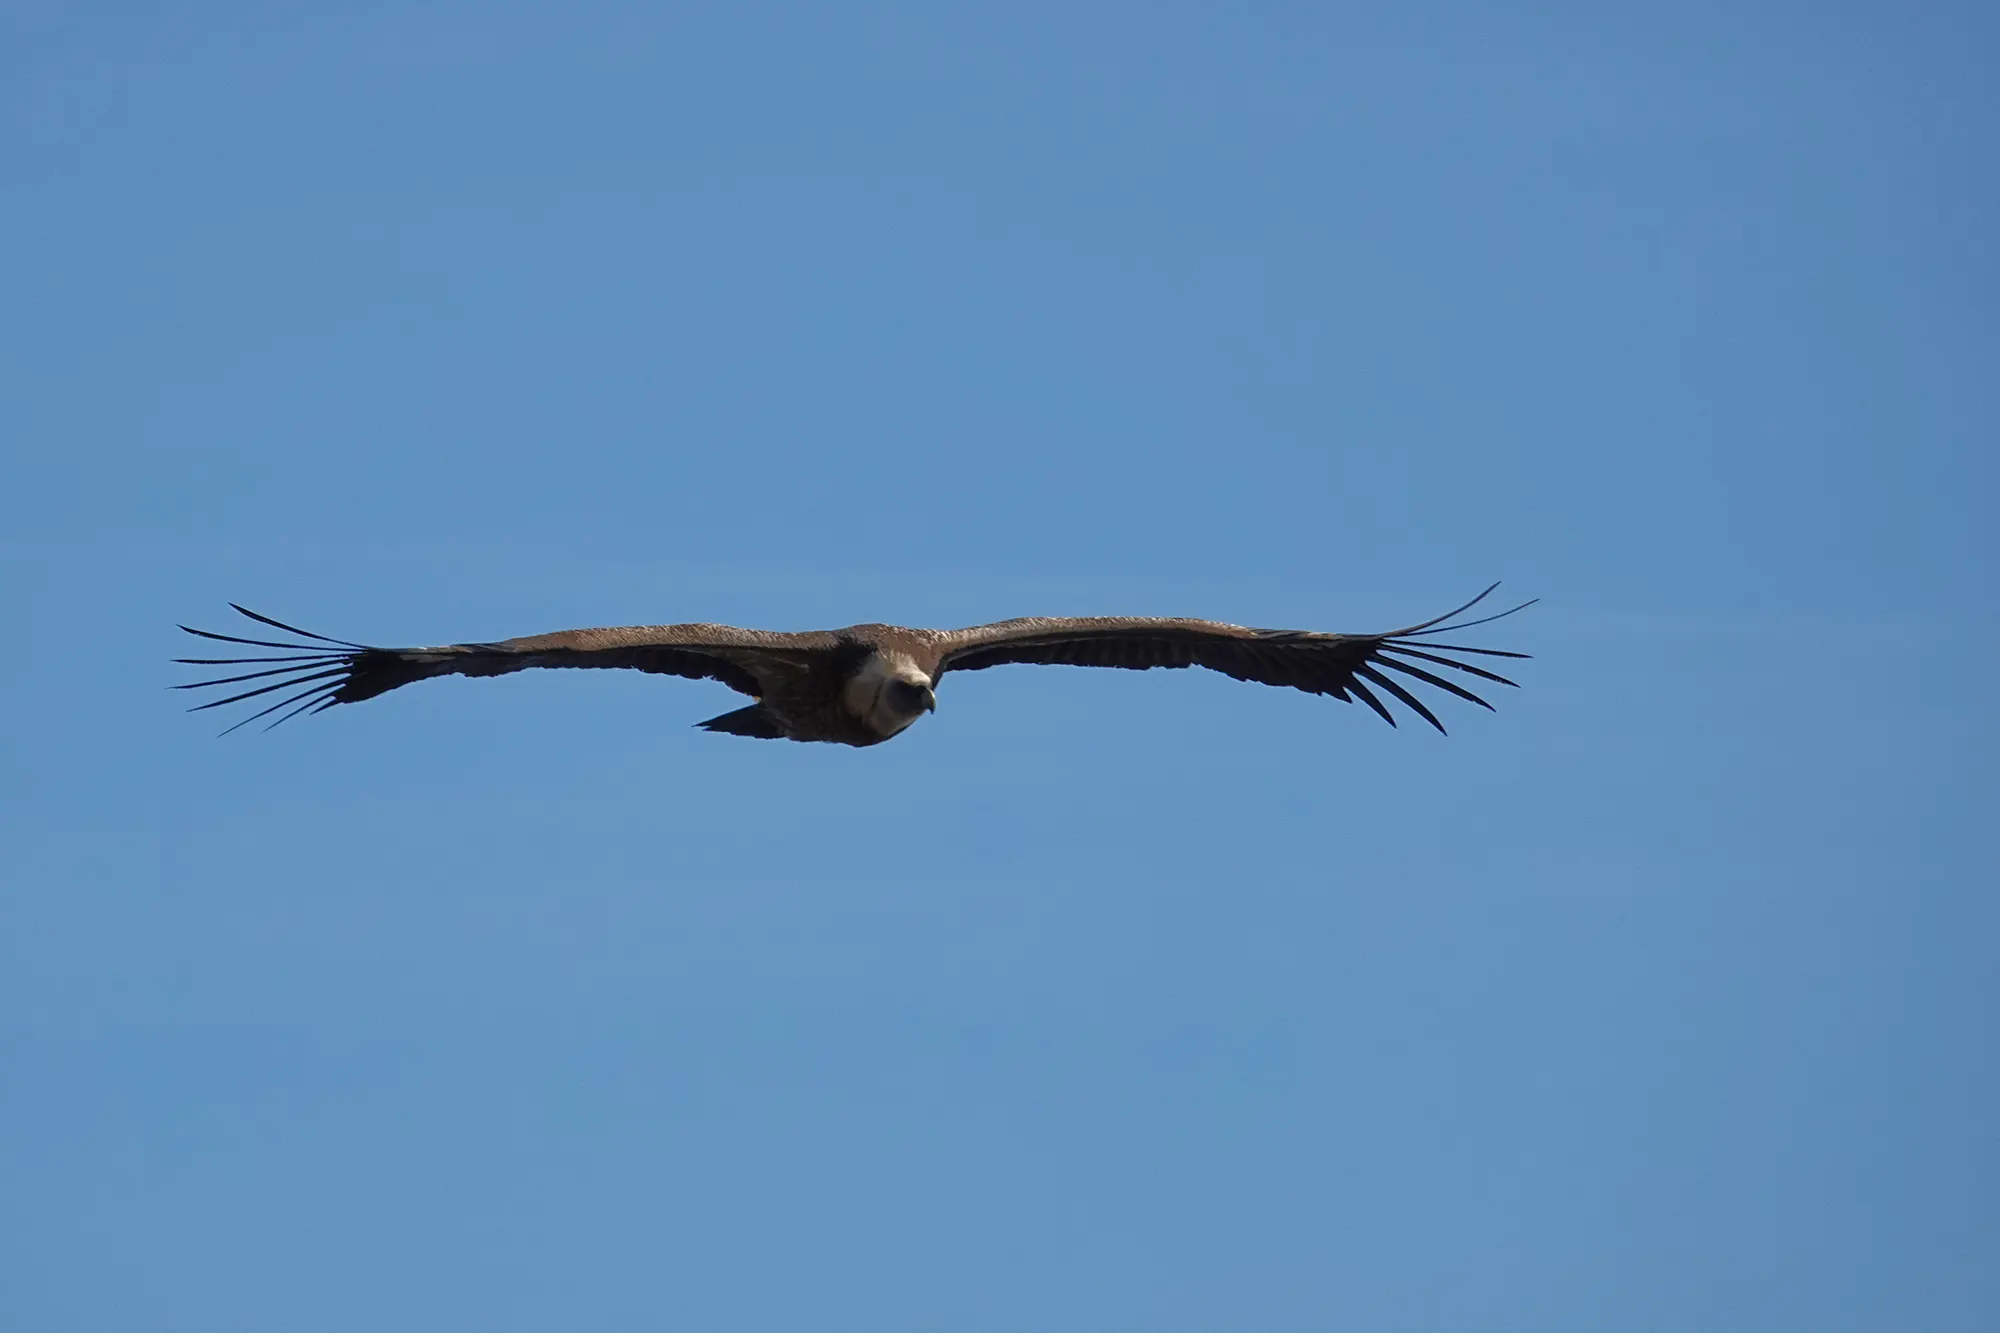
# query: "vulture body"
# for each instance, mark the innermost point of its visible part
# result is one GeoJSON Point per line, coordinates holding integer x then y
{"type": "Point", "coordinates": [864, 684]}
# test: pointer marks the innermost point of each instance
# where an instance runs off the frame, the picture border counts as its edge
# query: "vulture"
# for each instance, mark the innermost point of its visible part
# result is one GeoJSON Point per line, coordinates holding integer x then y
{"type": "Point", "coordinates": [865, 684]}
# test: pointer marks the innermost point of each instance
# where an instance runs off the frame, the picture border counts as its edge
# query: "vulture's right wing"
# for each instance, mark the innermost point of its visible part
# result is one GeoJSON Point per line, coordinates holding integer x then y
{"type": "Point", "coordinates": [316, 675]}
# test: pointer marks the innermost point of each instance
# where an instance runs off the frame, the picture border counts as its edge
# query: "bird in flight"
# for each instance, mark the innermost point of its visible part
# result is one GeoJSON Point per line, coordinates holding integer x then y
{"type": "Point", "coordinates": [864, 684]}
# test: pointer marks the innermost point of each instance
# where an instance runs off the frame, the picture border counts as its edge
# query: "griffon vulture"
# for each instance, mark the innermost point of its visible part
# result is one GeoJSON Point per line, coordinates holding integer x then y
{"type": "Point", "coordinates": [864, 684]}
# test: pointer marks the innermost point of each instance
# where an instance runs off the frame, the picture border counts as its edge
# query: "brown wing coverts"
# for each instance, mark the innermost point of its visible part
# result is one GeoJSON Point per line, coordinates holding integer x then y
{"type": "Point", "coordinates": [1347, 666]}
{"type": "Point", "coordinates": [315, 675]}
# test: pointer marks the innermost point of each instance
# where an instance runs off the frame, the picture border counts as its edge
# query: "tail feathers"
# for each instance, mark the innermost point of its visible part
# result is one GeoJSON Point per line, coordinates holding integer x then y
{"type": "Point", "coordinates": [307, 677]}
{"type": "Point", "coordinates": [751, 721]}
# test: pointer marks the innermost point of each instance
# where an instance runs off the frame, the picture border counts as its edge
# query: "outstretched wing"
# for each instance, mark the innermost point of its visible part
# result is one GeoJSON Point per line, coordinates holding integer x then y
{"type": "Point", "coordinates": [317, 674]}
{"type": "Point", "coordinates": [1347, 666]}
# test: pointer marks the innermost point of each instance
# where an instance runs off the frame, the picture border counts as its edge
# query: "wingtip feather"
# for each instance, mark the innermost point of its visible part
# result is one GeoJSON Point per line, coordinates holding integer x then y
{"type": "Point", "coordinates": [1367, 696]}
{"type": "Point", "coordinates": [290, 629]}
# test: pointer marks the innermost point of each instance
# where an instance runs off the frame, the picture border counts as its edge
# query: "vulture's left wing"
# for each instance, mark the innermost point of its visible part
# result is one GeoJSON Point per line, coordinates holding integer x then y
{"type": "Point", "coordinates": [1343, 665]}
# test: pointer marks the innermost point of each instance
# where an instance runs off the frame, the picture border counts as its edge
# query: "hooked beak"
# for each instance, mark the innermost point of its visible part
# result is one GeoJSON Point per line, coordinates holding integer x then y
{"type": "Point", "coordinates": [930, 700]}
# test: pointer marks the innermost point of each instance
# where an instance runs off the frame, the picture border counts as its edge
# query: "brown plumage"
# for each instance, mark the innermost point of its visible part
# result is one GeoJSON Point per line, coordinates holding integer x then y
{"type": "Point", "coordinates": [866, 683]}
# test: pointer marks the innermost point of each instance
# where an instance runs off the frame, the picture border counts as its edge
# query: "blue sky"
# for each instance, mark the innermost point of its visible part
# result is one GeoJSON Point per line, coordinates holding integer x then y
{"type": "Point", "coordinates": [1662, 999]}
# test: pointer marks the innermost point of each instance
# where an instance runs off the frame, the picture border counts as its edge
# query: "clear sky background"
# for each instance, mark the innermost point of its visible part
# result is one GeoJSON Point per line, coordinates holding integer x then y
{"type": "Point", "coordinates": [1662, 999]}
